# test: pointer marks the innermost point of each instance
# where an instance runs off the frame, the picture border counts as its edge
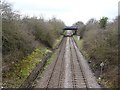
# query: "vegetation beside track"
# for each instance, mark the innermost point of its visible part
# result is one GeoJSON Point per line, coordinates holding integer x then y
{"type": "Point", "coordinates": [49, 61]}
{"type": "Point", "coordinates": [25, 41]}
{"type": "Point", "coordinates": [20, 71]}
{"type": "Point", "coordinates": [101, 45]}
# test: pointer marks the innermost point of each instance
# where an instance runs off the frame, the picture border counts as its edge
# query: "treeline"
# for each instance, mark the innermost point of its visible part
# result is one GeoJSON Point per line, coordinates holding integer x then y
{"type": "Point", "coordinates": [100, 44]}
{"type": "Point", "coordinates": [20, 36]}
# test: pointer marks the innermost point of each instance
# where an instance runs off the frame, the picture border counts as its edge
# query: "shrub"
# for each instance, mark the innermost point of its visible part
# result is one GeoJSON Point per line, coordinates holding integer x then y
{"type": "Point", "coordinates": [103, 22]}
{"type": "Point", "coordinates": [21, 36]}
{"type": "Point", "coordinates": [81, 28]}
{"type": "Point", "coordinates": [102, 46]}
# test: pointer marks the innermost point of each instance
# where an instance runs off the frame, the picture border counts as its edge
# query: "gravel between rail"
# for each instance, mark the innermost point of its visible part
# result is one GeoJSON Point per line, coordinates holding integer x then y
{"type": "Point", "coordinates": [69, 69]}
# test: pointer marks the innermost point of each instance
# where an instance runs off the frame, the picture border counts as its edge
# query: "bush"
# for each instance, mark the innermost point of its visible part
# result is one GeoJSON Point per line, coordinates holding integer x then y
{"type": "Point", "coordinates": [81, 28]}
{"type": "Point", "coordinates": [21, 36]}
{"type": "Point", "coordinates": [102, 46]}
{"type": "Point", "coordinates": [103, 22]}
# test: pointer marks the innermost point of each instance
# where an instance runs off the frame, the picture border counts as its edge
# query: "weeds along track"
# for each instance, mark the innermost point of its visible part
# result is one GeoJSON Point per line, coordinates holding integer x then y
{"type": "Point", "coordinates": [39, 68]}
{"type": "Point", "coordinates": [68, 69]}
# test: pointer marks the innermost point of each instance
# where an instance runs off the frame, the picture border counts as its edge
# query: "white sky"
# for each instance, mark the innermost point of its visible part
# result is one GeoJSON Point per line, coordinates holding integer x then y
{"type": "Point", "coordinates": [69, 11]}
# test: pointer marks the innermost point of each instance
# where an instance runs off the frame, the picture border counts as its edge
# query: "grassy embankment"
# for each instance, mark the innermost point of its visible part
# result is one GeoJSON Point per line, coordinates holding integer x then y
{"type": "Point", "coordinates": [80, 46]}
{"type": "Point", "coordinates": [20, 71]}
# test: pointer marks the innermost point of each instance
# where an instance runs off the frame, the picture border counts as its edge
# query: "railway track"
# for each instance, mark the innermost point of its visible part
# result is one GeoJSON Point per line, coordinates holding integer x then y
{"type": "Point", "coordinates": [68, 69]}
{"type": "Point", "coordinates": [79, 80]}
{"type": "Point", "coordinates": [55, 77]}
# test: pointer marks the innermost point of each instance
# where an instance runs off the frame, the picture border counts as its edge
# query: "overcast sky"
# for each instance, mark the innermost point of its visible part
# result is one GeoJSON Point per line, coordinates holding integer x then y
{"type": "Point", "coordinates": [69, 11]}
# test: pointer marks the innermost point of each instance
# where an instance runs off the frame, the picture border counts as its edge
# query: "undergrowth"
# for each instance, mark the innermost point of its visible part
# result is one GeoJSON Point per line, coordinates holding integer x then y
{"type": "Point", "coordinates": [20, 71]}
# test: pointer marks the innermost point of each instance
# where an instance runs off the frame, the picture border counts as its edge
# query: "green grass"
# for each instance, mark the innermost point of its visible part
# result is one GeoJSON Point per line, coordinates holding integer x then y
{"type": "Point", "coordinates": [54, 54]}
{"type": "Point", "coordinates": [80, 46]}
{"type": "Point", "coordinates": [57, 42]}
{"type": "Point", "coordinates": [21, 70]}
{"type": "Point", "coordinates": [49, 61]}
{"type": "Point", "coordinates": [79, 42]}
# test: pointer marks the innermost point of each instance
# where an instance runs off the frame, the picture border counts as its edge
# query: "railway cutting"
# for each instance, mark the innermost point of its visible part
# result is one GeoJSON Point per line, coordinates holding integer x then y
{"type": "Point", "coordinates": [69, 69]}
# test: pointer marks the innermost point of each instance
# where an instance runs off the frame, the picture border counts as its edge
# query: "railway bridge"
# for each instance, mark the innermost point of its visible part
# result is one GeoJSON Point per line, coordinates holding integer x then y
{"type": "Point", "coordinates": [73, 29]}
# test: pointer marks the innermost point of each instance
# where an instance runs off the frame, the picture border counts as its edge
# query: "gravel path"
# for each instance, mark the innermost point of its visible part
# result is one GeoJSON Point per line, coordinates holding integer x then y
{"type": "Point", "coordinates": [68, 69]}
